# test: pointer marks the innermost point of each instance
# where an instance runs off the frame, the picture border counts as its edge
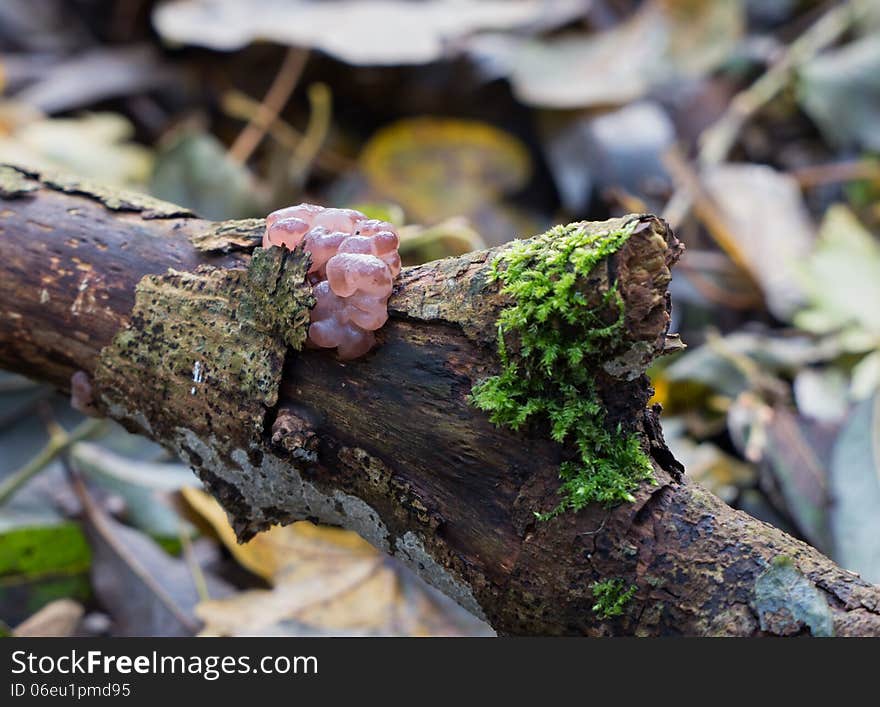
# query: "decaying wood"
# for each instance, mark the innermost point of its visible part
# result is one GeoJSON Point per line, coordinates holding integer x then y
{"type": "Point", "coordinates": [177, 326]}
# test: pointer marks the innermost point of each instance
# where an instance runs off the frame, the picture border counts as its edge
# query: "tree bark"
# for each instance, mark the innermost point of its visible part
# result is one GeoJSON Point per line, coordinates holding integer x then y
{"type": "Point", "coordinates": [190, 334]}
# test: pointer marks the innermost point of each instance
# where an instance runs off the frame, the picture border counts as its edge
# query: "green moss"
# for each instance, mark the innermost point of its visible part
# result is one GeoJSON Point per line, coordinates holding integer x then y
{"type": "Point", "coordinates": [612, 596]}
{"type": "Point", "coordinates": [549, 340]}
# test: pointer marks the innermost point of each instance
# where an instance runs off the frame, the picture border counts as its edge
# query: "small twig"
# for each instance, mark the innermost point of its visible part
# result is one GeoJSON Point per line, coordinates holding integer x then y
{"type": "Point", "coordinates": [98, 519]}
{"type": "Point", "coordinates": [847, 171]}
{"type": "Point", "coordinates": [630, 203]}
{"type": "Point", "coordinates": [239, 105]}
{"type": "Point", "coordinates": [709, 213]}
{"type": "Point", "coordinates": [600, 528]}
{"type": "Point", "coordinates": [276, 97]}
{"type": "Point", "coordinates": [59, 442]}
{"type": "Point", "coordinates": [718, 139]}
{"type": "Point", "coordinates": [320, 102]}
{"type": "Point", "coordinates": [192, 563]}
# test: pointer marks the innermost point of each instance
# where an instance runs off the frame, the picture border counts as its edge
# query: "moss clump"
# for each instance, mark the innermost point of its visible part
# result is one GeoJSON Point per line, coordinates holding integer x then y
{"type": "Point", "coordinates": [612, 596]}
{"type": "Point", "coordinates": [546, 376]}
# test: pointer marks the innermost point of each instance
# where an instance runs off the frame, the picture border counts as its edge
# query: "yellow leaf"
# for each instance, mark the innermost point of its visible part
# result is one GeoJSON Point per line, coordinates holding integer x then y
{"type": "Point", "coordinates": [324, 580]}
{"type": "Point", "coordinates": [437, 168]}
{"type": "Point", "coordinates": [454, 236]}
{"type": "Point", "coordinates": [280, 548]}
{"type": "Point", "coordinates": [96, 145]}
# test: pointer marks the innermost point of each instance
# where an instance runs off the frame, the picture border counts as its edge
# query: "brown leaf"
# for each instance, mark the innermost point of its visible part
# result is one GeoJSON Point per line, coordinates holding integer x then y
{"type": "Point", "coordinates": [58, 618]}
{"type": "Point", "coordinates": [324, 581]}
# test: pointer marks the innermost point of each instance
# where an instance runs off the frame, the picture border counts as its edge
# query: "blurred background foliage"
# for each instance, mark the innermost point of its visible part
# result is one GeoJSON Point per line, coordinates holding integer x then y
{"type": "Point", "coordinates": [753, 127]}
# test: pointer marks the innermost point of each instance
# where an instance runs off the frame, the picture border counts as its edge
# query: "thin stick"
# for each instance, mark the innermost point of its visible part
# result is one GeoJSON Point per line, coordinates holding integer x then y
{"type": "Point", "coordinates": [717, 140]}
{"type": "Point", "coordinates": [59, 442]}
{"type": "Point", "coordinates": [320, 102]}
{"type": "Point", "coordinates": [709, 213]}
{"type": "Point", "coordinates": [192, 562]}
{"type": "Point", "coordinates": [276, 97]}
{"type": "Point", "coordinates": [238, 105]}
{"type": "Point", "coordinates": [98, 518]}
{"type": "Point", "coordinates": [832, 173]}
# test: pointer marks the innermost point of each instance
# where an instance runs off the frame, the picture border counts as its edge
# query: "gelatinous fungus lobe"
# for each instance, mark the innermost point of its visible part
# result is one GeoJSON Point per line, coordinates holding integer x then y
{"type": "Point", "coordinates": [354, 263]}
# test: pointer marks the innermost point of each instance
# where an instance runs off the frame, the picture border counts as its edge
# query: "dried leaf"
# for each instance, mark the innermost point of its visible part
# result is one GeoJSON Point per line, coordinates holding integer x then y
{"type": "Point", "coordinates": [194, 169]}
{"type": "Point", "coordinates": [716, 366]}
{"type": "Point", "coordinates": [144, 486]}
{"type": "Point", "coordinates": [791, 471]}
{"type": "Point", "coordinates": [821, 394]}
{"type": "Point", "coordinates": [271, 553]}
{"type": "Point", "coordinates": [840, 91]}
{"type": "Point", "coordinates": [324, 581]}
{"type": "Point", "coordinates": [621, 148]}
{"type": "Point", "coordinates": [578, 70]}
{"type": "Point", "coordinates": [438, 168]}
{"type": "Point", "coordinates": [146, 591]}
{"type": "Point", "coordinates": [765, 210]}
{"type": "Point", "coordinates": [367, 32]}
{"type": "Point", "coordinates": [842, 280]}
{"type": "Point", "coordinates": [57, 619]}
{"type": "Point", "coordinates": [865, 377]}
{"type": "Point", "coordinates": [665, 40]}
{"type": "Point", "coordinates": [95, 146]}
{"type": "Point", "coordinates": [97, 75]}
{"type": "Point", "coordinates": [855, 488]}
{"type": "Point", "coordinates": [721, 473]}
{"type": "Point", "coordinates": [454, 236]}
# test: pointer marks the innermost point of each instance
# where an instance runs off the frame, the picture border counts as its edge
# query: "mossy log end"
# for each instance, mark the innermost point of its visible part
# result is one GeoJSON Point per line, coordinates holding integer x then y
{"type": "Point", "coordinates": [193, 336]}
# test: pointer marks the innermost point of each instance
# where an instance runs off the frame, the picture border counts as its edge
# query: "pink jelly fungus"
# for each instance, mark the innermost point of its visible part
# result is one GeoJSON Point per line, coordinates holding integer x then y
{"type": "Point", "coordinates": [287, 232]}
{"type": "Point", "coordinates": [354, 261]}
{"type": "Point", "coordinates": [348, 273]}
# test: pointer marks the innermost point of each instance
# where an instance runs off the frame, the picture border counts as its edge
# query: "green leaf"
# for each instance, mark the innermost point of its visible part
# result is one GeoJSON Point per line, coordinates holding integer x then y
{"type": "Point", "coordinates": [840, 91]}
{"type": "Point", "coordinates": [855, 488]}
{"type": "Point", "coordinates": [143, 486]}
{"type": "Point", "coordinates": [32, 547]}
{"type": "Point", "coordinates": [194, 170]}
{"type": "Point", "coordinates": [842, 278]}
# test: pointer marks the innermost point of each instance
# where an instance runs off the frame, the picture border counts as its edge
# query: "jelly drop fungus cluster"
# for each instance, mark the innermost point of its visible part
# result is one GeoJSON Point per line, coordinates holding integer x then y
{"type": "Point", "coordinates": [354, 263]}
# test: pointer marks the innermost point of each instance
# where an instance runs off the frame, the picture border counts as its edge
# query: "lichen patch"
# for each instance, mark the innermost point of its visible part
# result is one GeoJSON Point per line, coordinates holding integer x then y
{"type": "Point", "coordinates": [787, 602]}
{"type": "Point", "coordinates": [15, 184]}
{"type": "Point", "coordinates": [204, 351]}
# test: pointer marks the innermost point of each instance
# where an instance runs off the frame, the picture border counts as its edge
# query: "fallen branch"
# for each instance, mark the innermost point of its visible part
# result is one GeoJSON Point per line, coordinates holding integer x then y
{"type": "Point", "coordinates": [193, 341]}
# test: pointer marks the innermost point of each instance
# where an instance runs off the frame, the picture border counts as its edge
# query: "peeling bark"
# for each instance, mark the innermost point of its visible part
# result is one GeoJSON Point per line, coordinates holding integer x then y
{"type": "Point", "coordinates": [185, 339]}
